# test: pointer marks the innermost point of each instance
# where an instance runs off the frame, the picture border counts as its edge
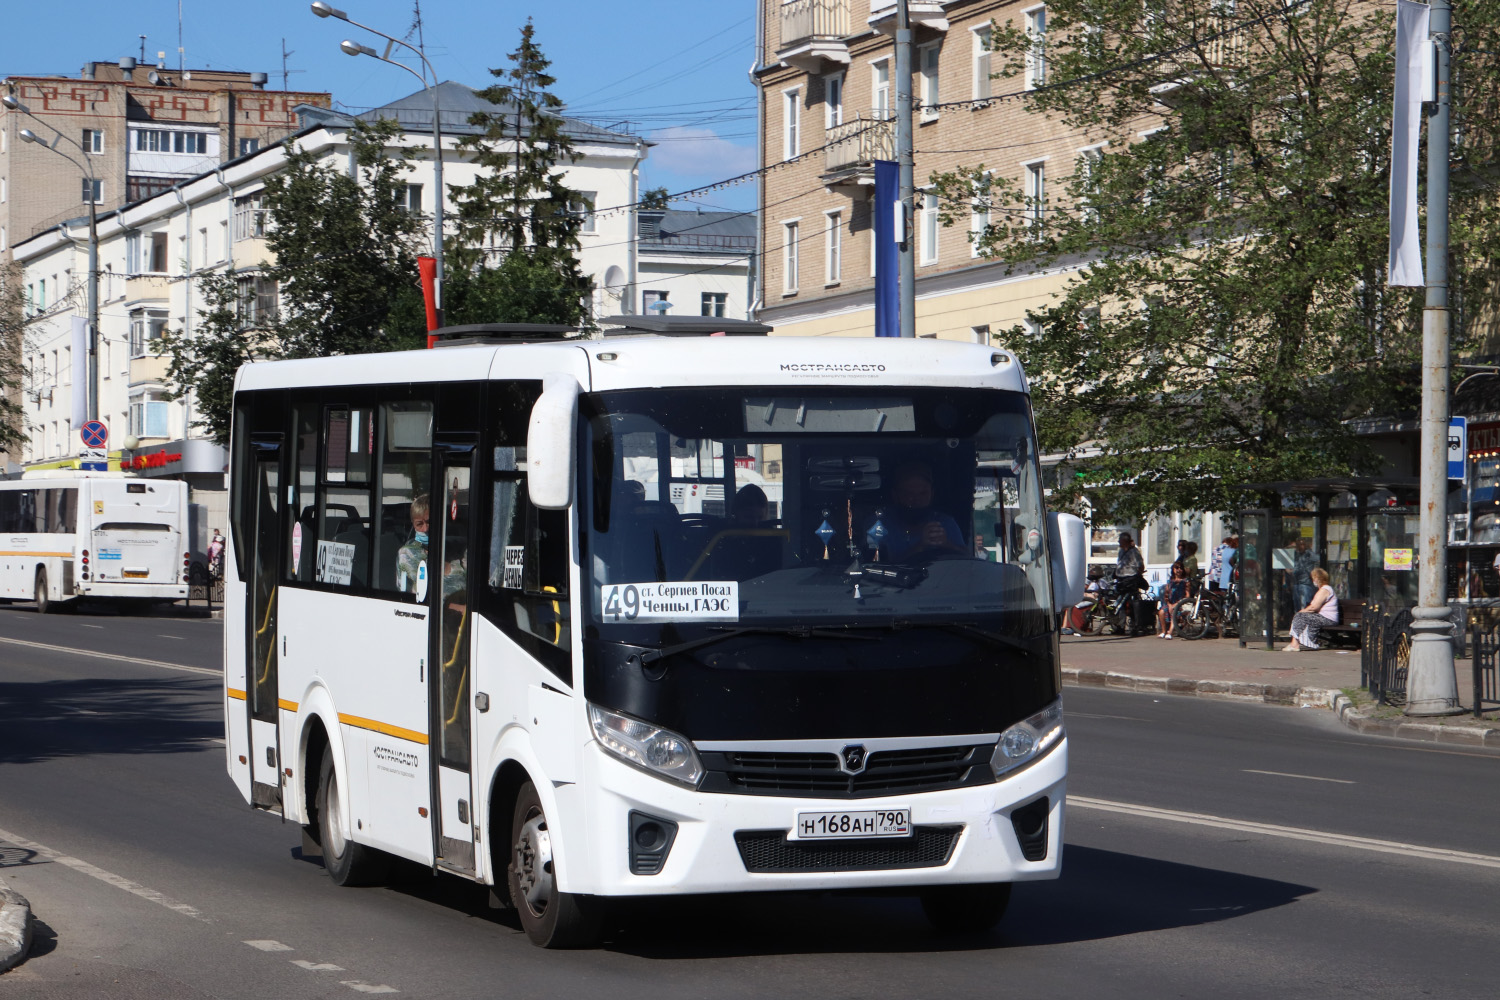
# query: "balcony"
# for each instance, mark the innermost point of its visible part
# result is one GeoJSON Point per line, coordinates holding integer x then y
{"type": "Point", "coordinates": [853, 148]}
{"type": "Point", "coordinates": [148, 368]}
{"type": "Point", "coordinates": [1221, 46]}
{"type": "Point", "coordinates": [813, 32]}
{"type": "Point", "coordinates": [923, 13]}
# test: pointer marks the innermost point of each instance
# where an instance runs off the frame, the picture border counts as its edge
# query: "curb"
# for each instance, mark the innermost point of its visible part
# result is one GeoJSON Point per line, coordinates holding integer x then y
{"type": "Point", "coordinates": [15, 927]}
{"type": "Point", "coordinates": [1352, 716]}
{"type": "Point", "coordinates": [1269, 694]}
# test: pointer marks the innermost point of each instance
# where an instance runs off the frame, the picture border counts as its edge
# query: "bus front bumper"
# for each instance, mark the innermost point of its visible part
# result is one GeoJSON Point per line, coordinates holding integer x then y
{"type": "Point", "coordinates": [961, 835]}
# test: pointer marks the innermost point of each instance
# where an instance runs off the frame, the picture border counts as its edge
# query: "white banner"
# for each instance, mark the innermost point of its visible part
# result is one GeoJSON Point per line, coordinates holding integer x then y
{"type": "Point", "coordinates": [1413, 75]}
{"type": "Point", "coordinates": [80, 372]}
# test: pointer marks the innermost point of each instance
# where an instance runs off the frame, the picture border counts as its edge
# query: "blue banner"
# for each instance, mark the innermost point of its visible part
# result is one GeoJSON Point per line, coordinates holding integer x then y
{"type": "Point", "coordinates": [887, 260]}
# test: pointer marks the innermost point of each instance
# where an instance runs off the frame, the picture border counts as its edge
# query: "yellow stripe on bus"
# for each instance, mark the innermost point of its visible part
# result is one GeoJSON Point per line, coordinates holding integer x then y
{"type": "Point", "coordinates": [54, 555]}
{"type": "Point", "coordinates": [236, 694]}
{"type": "Point", "coordinates": [289, 706]}
{"type": "Point", "coordinates": [382, 727]}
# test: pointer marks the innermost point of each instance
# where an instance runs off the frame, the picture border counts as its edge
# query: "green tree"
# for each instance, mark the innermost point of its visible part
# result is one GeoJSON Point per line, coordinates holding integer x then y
{"type": "Point", "coordinates": [1230, 322]}
{"type": "Point", "coordinates": [518, 207]}
{"type": "Point", "coordinates": [12, 337]}
{"type": "Point", "coordinates": [344, 263]}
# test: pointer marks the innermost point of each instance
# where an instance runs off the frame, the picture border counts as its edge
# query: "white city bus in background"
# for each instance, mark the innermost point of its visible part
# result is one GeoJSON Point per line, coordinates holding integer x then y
{"type": "Point", "coordinates": [103, 536]}
{"type": "Point", "coordinates": [652, 615]}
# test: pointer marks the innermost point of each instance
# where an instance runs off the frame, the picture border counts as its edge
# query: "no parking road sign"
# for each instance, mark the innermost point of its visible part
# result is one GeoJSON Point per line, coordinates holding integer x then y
{"type": "Point", "coordinates": [94, 434]}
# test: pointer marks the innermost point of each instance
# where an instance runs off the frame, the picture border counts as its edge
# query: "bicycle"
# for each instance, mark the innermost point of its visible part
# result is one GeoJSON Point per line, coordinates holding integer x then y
{"type": "Point", "coordinates": [1217, 609]}
{"type": "Point", "coordinates": [1113, 613]}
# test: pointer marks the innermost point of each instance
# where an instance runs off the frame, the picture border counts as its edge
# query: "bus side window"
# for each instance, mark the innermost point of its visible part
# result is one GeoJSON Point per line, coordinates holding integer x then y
{"type": "Point", "coordinates": [405, 475]}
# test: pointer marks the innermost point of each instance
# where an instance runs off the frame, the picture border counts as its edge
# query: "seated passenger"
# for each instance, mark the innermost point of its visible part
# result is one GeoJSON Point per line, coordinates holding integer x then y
{"type": "Point", "coordinates": [414, 553]}
{"type": "Point", "coordinates": [750, 508]}
{"type": "Point", "coordinates": [914, 528]}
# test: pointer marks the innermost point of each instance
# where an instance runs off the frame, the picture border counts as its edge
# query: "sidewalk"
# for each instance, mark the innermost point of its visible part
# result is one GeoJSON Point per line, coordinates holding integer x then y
{"type": "Point", "coordinates": [1220, 668]}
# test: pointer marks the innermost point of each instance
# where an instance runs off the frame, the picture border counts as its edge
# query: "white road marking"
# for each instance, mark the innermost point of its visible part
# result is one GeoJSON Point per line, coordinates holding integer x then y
{"type": "Point", "coordinates": [1304, 777]}
{"type": "Point", "coordinates": [87, 625]}
{"type": "Point", "coordinates": [1288, 832]}
{"type": "Point", "coordinates": [119, 882]}
{"type": "Point", "coordinates": [163, 635]}
{"type": "Point", "coordinates": [114, 657]}
{"type": "Point", "coordinates": [1405, 749]}
{"type": "Point", "coordinates": [1089, 715]}
{"type": "Point", "coordinates": [303, 963]}
{"type": "Point", "coordinates": [270, 946]}
{"type": "Point", "coordinates": [355, 984]}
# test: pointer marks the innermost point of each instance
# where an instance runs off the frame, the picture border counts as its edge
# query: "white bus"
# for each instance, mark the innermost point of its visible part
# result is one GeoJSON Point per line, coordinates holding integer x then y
{"type": "Point", "coordinates": [66, 536]}
{"type": "Point", "coordinates": [474, 620]}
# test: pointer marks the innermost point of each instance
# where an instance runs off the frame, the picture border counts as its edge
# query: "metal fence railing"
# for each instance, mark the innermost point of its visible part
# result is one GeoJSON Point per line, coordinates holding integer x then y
{"type": "Point", "coordinates": [1385, 650]}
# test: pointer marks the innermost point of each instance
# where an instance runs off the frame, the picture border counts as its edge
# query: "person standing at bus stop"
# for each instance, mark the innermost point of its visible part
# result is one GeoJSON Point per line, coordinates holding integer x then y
{"type": "Point", "coordinates": [411, 560]}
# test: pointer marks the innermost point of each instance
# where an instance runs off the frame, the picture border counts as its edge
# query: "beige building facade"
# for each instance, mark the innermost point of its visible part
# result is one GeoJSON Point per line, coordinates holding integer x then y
{"type": "Point", "coordinates": [828, 96]}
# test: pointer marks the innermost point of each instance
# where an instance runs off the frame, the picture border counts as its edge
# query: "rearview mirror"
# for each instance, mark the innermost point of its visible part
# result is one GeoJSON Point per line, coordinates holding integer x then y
{"type": "Point", "coordinates": [1067, 537]}
{"type": "Point", "coordinates": [550, 441]}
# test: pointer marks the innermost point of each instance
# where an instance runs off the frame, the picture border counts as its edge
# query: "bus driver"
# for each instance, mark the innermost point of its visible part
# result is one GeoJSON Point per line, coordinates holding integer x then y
{"type": "Point", "coordinates": [916, 527]}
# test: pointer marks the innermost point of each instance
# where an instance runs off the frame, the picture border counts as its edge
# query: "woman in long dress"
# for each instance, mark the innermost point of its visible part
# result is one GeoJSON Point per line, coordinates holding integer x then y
{"type": "Point", "coordinates": [1321, 611]}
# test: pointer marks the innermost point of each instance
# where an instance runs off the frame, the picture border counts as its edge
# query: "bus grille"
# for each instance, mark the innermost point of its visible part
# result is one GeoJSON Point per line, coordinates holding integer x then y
{"type": "Point", "coordinates": [771, 851]}
{"type": "Point", "coordinates": [817, 774]}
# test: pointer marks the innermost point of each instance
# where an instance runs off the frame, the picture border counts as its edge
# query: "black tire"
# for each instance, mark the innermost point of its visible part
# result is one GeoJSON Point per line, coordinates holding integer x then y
{"type": "Point", "coordinates": [1095, 621]}
{"type": "Point", "coordinates": [347, 863]}
{"type": "Point", "coordinates": [966, 909]}
{"type": "Point", "coordinates": [1191, 624]}
{"type": "Point", "coordinates": [550, 917]}
{"type": "Point", "coordinates": [44, 603]}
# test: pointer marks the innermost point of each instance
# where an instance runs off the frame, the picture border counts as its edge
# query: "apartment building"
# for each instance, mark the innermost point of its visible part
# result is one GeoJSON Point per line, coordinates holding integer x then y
{"type": "Point", "coordinates": [695, 263]}
{"type": "Point", "coordinates": [151, 251]}
{"type": "Point", "coordinates": [142, 128]}
{"type": "Point", "coordinates": [827, 86]}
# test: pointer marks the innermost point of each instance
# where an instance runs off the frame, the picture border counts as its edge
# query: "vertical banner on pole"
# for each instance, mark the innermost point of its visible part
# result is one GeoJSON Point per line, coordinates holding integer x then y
{"type": "Point", "coordinates": [80, 371]}
{"type": "Point", "coordinates": [427, 268]}
{"type": "Point", "coordinates": [887, 260]}
{"type": "Point", "coordinates": [1413, 82]}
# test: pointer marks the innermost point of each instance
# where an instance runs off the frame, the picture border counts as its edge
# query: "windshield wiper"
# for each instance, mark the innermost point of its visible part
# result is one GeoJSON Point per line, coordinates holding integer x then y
{"type": "Point", "coordinates": [798, 631]}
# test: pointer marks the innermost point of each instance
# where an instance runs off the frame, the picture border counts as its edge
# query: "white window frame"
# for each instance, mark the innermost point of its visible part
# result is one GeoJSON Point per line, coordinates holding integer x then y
{"type": "Point", "coordinates": [979, 217]}
{"type": "Point", "coordinates": [927, 228]}
{"type": "Point", "coordinates": [92, 190]}
{"type": "Point", "coordinates": [1036, 55]}
{"type": "Point", "coordinates": [929, 63]}
{"type": "Point", "coordinates": [882, 105]}
{"type": "Point", "coordinates": [714, 304]}
{"type": "Point", "coordinates": [791, 122]}
{"type": "Point", "coordinates": [250, 216]}
{"type": "Point", "coordinates": [1088, 156]}
{"type": "Point", "coordinates": [1035, 179]}
{"type": "Point", "coordinates": [248, 144]}
{"type": "Point", "coordinates": [93, 141]}
{"type": "Point", "coordinates": [833, 100]}
{"type": "Point", "coordinates": [584, 206]}
{"type": "Point", "coordinates": [833, 249]}
{"type": "Point", "coordinates": [980, 333]}
{"type": "Point", "coordinates": [983, 88]}
{"type": "Point", "coordinates": [791, 230]}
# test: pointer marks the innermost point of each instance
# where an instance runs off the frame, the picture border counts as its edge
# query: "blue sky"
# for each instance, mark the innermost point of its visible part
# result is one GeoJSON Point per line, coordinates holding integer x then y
{"type": "Point", "coordinates": [672, 70]}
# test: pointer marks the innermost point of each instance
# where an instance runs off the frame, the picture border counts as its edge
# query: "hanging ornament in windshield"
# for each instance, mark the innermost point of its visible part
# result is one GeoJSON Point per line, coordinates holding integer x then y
{"type": "Point", "coordinates": [875, 537]}
{"type": "Point", "coordinates": [825, 532]}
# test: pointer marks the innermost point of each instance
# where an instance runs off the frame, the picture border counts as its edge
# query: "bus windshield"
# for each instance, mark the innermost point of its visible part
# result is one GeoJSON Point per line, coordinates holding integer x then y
{"type": "Point", "coordinates": [812, 509]}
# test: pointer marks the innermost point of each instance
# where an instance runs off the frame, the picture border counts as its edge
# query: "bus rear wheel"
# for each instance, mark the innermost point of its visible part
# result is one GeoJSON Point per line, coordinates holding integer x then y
{"type": "Point", "coordinates": [347, 863]}
{"type": "Point", "coordinates": [43, 598]}
{"type": "Point", "coordinates": [965, 909]}
{"type": "Point", "coordinates": [550, 917]}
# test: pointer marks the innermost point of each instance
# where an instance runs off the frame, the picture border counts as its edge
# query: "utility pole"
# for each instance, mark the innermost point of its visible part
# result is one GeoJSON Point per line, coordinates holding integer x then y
{"type": "Point", "coordinates": [1432, 686]}
{"type": "Point", "coordinates": [907, 283]}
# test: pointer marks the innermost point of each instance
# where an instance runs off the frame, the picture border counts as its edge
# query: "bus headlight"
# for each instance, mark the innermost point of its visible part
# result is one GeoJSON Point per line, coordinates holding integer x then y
{"type": "Point", "coordinates": [660, 751]}
{"type": "Point", "coordinates": [1026, 741]}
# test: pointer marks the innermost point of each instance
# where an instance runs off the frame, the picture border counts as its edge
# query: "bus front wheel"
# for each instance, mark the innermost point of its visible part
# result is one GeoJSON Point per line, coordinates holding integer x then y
{"type": "Point", "coordinates": [348, 863]}
{"type": "Point", "coordinates": [43, 598]}
{"type": "Point", "coordinates": [966, 909]}
{"type": "Point", "coordinates": [550, 917]}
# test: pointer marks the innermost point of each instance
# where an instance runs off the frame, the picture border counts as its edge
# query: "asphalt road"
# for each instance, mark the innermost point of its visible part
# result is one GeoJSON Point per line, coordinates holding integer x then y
{"type": "Point", "coordinates": [1213, 849]}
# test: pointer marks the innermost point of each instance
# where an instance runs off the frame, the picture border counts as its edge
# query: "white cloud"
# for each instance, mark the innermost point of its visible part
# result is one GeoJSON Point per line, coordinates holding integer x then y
{"type": "Point", "coordinates": [699, 151]}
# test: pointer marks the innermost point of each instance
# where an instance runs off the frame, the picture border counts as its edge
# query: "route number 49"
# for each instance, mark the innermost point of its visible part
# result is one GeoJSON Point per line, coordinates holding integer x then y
{"type": "Point", "coordinates": [628, 605]}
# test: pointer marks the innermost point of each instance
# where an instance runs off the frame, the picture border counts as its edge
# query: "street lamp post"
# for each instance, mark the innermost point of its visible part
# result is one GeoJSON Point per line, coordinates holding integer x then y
{"type": "Point", "coordinates": [355, 49]}
{"type": "Point", "coordinates": [92, 364]}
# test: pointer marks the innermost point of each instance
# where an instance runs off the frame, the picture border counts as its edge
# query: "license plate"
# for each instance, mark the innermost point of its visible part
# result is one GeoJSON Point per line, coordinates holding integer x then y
{"type": "Point", "coordinates": [852, 824]}
{"type": "Point", "coordinates": [135, 574]}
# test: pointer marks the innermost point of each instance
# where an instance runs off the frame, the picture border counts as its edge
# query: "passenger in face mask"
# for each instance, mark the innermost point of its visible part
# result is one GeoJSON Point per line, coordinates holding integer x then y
{"type": "Point", "coordinates": [414, 553]}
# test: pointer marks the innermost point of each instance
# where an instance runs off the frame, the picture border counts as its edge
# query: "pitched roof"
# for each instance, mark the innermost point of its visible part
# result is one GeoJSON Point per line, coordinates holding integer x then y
{"type": "Point", "coordinates": [675, 231]}
{"type": "Point", "coordinates": [457, 103]}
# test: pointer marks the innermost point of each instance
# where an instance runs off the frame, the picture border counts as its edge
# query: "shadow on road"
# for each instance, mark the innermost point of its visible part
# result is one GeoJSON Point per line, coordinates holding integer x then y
{"type": "Point", "coordinates": [1102, 894]}
{"type": "Point", "coordinates": [48, 719]}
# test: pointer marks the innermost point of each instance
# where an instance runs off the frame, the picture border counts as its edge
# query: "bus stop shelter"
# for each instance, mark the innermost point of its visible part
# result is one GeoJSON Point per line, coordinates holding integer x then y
{"type": "Point", "coordinates": [1363, 531]}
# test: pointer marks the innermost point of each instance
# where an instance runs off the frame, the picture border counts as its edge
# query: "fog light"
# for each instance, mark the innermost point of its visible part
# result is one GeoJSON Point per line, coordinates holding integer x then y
{"type": "Point", "coordinates": [650, 841]}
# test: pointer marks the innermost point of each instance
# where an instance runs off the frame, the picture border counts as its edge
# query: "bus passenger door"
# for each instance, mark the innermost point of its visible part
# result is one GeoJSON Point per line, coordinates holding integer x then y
{"type": "Point", "coordinates": [264, 509]}
{"type": "Point", "coordinates": [451, 529]}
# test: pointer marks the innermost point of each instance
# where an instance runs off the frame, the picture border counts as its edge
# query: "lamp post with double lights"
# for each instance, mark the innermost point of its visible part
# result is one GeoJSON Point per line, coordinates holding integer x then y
{"type": "Point", "coordinates": [355, 49]}
{"type": "Point", "coordinates": [27, 135]}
